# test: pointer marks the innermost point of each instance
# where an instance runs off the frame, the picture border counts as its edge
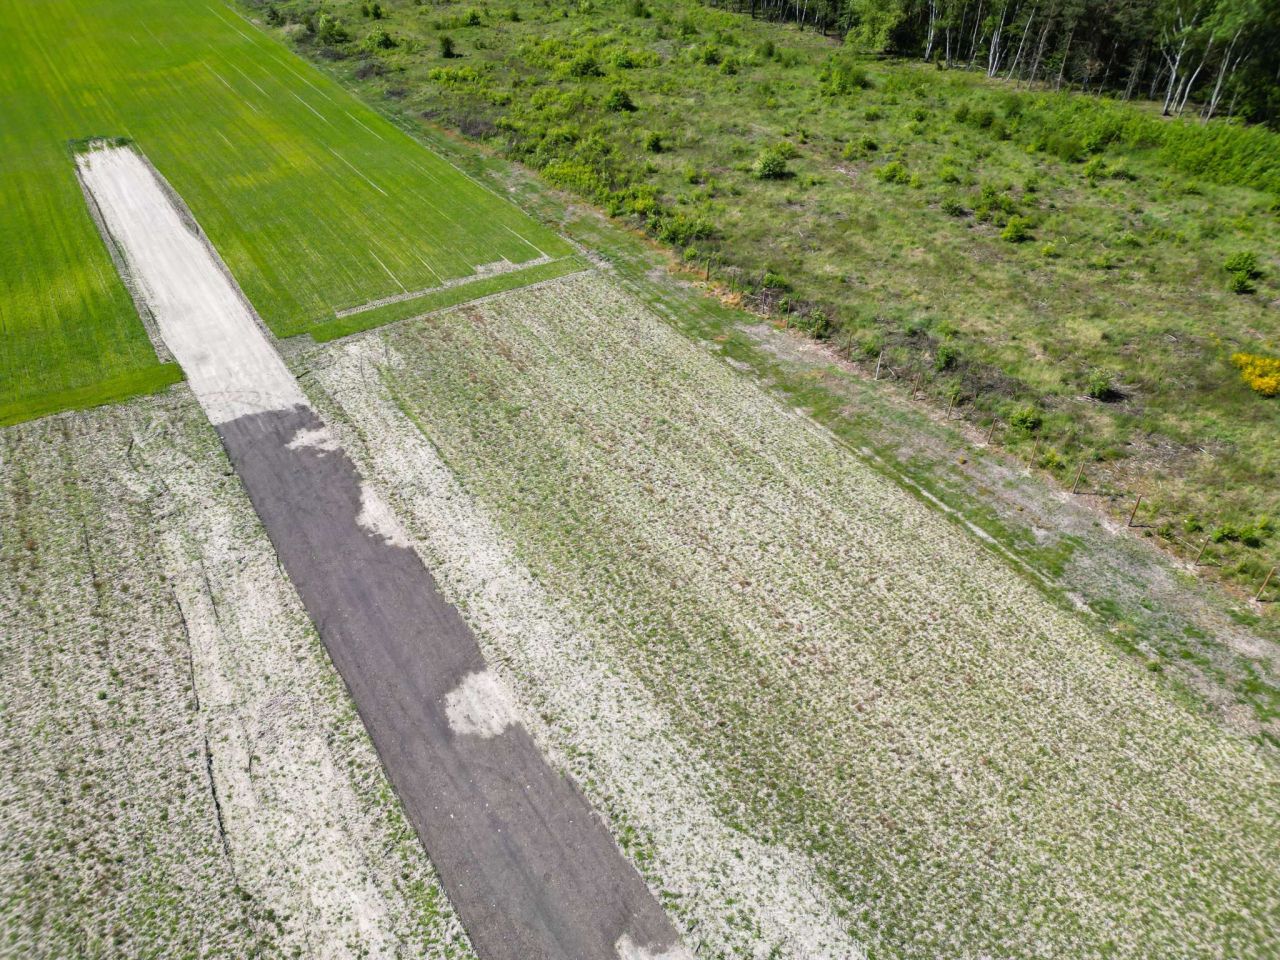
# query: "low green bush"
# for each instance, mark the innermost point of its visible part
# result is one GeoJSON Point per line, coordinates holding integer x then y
{"type": "Point", "coordinates": [770, 164]}
{"type": "Point", "coordinates": [619, 101]}
{"type": "Point", "coordinates": [893, 172]}
{"type": "Point", "coordinates": [1245, 262]}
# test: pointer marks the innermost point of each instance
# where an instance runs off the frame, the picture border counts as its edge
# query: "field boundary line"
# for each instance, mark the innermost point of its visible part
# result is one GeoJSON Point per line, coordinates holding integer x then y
{"type": "Point", "coordinates": [495, 269]}
{"type": "Point", "coordinates": [362, 322]}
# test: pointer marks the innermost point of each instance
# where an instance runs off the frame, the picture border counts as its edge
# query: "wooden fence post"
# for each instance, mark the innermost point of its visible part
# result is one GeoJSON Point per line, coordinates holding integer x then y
{"type": "Point", "coordinates": [1267, 579]}
{"type": "Point", "coordinates": [878, 359]}
{"type": "Point", "coordinates": [951, 404]}
{"type": "Point", "coordinates": [1079, 473]}
{"type": "Point", "coordinates": [992, 432]}
{"type": "Point", "coordinates": [1203, 547]}
{"type": "Point", "coordinates": [1134, 512]}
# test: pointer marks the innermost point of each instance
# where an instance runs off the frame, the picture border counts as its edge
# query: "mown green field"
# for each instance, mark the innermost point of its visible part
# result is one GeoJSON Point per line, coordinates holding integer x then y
{"type": "Point", "coordinates": [316, 202]}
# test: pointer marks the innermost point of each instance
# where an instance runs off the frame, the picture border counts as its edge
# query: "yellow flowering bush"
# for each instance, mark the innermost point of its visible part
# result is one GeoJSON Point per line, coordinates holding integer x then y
{"type": "Point", "coordinates": [1260, 373]}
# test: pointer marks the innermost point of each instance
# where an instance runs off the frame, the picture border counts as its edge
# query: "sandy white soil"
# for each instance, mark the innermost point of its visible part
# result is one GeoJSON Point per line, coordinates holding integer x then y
{"type": "Point", "coordinates": [154, 658]}
{"type": "Point", "coordinates": [204, 320]}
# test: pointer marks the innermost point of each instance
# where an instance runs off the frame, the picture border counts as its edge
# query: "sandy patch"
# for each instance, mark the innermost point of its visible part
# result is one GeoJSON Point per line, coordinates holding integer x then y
{"type": "Point", "coordinates": [630, 950]}
{"type": "Point", "coordinates": [480, 706]}
{"type": "Point", "coordinates": [376, 518]}
{"type": "Point", "coordinates": [321, 439]}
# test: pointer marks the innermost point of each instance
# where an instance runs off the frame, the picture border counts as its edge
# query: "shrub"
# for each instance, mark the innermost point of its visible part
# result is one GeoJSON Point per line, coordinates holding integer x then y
{"type": "Point", "coordinates": [1098, 385]}
{"type": "Point", "coordinates": [1251, 535]}
{"type": "Point", "coordinates": [446, 47]}
{"type": "Point", "coordinates": [816, 323]}
{"type": "Point", "coordinates": [994, 205]}
{"type": "Point", "coordinates": [893, 172]}
{"type": "Point", "coordinates": [840, 78]}
{"type": "Point", "coordinates": [373, 10]}
{"type": "Point", "coordinates": [331, 30]}
{"type": "Point", "coordinates": [638, 9]}
{"type": "Point", "coordinates": [380, 40]}
{"type": "Point", "coordinates": [577, 176]}
{"type": "Point", "coordinates": [680, 229]}
{"type": "Point", "coordinates": [584, 65]}
{"type": "Point", "coordinates": [1026, 418]}
{"type": "Point", "coordinates": [473, 18]}
{"type": "Point", "coordinates": [1241, 283]}
{"type": "Point", "coordinates": [945, 357]}
{"type": "Point", "coordinates": [653, 142]}
{"type": "Point", "coordinates": [771, 164]}
{"type": "Point", "coordinates": [1017, 230]}
{"type": "Point", "coordinates": [773, 281]}
{"type": "Point", "coordinates": [1245, 262]}
{"type": "Point", "coordinates": [1262, 374]}
{"type": "Point", "coordinates": [619, 101]}
{"type": "Point", "coordinates": [954, 208]}
{"type": "Point", "coordinates": [949, 174]}
{"type": "Point", "coordinates": [872, 115]}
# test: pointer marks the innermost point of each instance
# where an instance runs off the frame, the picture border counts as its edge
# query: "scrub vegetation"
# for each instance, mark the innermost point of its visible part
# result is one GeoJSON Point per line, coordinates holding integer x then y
{"type": "Point", "coordinates": [315, 202]}
{"type": "Point", "coordinates": [1077, 270]}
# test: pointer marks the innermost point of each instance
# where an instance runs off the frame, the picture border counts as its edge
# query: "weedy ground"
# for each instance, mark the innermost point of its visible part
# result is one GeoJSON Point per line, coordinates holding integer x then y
{"type": "Point", "coordinates": [183, 772]}
{"type": "Point", "coordinates": [1061, 265]}
{"type": "Point", "coordinates": [973, 770]}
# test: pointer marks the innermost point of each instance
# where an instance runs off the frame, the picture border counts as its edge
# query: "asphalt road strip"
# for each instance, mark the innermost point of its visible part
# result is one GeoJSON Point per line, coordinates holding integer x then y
{"type": "Point", "coordinates": [529, 866]}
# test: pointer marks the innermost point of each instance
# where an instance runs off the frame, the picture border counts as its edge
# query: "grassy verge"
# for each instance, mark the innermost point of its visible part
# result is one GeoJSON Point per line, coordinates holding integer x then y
{"type": "Point", "coordinates": [448, 297]}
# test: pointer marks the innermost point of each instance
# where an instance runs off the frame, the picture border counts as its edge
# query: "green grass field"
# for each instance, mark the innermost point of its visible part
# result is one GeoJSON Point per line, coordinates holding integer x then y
{"type": "Point", "coordinates": [316, 202]}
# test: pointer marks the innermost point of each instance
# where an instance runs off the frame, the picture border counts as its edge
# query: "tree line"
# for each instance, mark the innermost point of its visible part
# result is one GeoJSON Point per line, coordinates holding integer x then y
{"type": "Point", "coordinates": [1206, 58]}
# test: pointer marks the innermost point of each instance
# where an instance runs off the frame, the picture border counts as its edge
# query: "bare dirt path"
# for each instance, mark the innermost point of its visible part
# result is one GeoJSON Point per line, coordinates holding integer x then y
{"type": "Point", "coordinates": [526, 862]}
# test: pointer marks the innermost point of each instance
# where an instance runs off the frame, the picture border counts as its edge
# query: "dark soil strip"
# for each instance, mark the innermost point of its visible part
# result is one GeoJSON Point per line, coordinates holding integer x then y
{"type": "Point", "coordinates": [530, 868]}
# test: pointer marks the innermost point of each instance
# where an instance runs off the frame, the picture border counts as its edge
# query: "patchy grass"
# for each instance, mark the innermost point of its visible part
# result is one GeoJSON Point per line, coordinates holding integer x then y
{"type": "Point", "coordinates": [448, 297]}
{"type": "Point", "coordinates": [876, 689]}
{"type": "Point", "coordinates": [316, 202]}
